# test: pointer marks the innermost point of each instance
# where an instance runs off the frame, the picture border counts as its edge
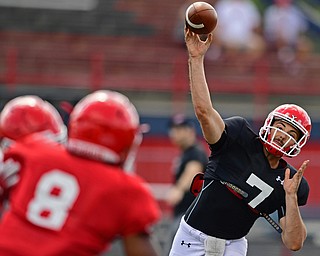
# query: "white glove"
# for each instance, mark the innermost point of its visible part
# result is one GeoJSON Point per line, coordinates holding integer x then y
{"type": "Point", "coordinates": [8, 174]}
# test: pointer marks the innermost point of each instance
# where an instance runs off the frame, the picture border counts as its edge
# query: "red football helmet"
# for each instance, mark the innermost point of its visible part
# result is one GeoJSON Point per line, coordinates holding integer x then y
{"type": "Point", "coordinates": [30, 114]}
{"type": "Point", "coordinates": [104, 125]}
{"type": "Point", "coordinates": [293, 115]}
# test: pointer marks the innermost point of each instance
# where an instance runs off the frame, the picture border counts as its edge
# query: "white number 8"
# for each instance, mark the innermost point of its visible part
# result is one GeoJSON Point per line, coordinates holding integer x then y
{"type": "Point", "coordinates": [55, 194]}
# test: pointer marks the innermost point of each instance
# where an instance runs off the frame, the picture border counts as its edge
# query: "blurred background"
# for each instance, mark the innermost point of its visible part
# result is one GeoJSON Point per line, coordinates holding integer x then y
{"type": "Point", "coordinates": [63, 49]}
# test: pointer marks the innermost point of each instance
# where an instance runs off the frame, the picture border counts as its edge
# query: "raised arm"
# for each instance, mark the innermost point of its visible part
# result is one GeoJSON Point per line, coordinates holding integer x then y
{"type": "Point", "coordinates": [294, 231]}
{"type": "Point", "coordinates": [210, 120]}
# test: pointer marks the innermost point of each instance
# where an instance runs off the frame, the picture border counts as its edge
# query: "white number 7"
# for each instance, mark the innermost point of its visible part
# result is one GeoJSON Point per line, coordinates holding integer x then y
{"type": "Point", "coordinates": [266, 190]}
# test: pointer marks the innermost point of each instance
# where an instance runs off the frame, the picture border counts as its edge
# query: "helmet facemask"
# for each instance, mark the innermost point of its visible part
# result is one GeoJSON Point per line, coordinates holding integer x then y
{"type": "Point", "coordinates": [268, 133]}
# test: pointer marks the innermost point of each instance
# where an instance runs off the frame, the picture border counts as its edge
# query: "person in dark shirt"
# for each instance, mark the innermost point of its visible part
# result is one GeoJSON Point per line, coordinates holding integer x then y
{"type": "Point", "coordinates": [191, 160]}
{"type": "Point", "coordinates": [246, 177]}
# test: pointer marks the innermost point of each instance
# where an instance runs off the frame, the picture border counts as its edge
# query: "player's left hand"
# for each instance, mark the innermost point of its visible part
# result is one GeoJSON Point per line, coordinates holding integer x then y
{"type": "Point", "coordinates": [291, 186]}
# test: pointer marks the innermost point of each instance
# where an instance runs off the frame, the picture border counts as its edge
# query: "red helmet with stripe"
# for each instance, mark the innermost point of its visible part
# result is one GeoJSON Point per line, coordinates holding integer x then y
{"type": "Point", "coordinates": [25, 115]}
{"type": "Point", "coordinates": [293, 115]}
{"type": "Point", "coordinates": [104, 125]}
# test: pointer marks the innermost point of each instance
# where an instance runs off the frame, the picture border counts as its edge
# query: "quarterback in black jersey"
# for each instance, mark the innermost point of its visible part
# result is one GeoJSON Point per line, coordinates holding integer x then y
{"type": "Point", "coordinates": [246, 177]}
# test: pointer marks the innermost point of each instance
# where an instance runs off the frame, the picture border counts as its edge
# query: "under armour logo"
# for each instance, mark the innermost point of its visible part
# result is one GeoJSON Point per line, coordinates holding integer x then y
{"type": "Point", "coordinates": [279, 179]}
{"type": "Point", "coordinates": [187, 244]}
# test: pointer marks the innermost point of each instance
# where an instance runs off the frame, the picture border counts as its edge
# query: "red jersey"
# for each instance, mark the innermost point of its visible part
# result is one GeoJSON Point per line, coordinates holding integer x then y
{"type": "Point", "coordinates": [67, 205]}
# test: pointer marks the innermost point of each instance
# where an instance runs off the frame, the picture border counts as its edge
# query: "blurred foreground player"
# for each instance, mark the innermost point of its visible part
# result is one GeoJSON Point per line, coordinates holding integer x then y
{"type": "Point", "coordinates": [246, 177]}
{"type": "Point", "coordinates": [23, 116]}
{"type": "Point", "coordinates": [76, 199]}
{"type": "Point", "coordinates": [29, 114]}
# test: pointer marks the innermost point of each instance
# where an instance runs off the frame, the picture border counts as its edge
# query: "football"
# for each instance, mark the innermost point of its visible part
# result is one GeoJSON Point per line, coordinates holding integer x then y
{"type": "Point", "coordinates": [201, 18]}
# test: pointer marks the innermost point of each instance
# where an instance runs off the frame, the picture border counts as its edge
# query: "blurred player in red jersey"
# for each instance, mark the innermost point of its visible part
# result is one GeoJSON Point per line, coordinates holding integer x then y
{"type": "Point", "coordinates": [22, 116]}
{"type": "Point", "coordinates": [76, 199]}
{"type": "Point", "coordinates": [25, 115]}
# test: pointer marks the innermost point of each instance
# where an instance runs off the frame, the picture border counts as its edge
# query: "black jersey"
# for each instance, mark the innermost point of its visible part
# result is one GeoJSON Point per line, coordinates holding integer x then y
{"type": "Point", "coordinates": [193, 153]}
{"type": "Point", "coordinates": [238, 158]}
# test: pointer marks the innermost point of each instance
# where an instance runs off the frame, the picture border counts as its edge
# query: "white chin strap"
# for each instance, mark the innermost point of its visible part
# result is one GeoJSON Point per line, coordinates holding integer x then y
{"type": "Point", "coordinates": [129, 163]}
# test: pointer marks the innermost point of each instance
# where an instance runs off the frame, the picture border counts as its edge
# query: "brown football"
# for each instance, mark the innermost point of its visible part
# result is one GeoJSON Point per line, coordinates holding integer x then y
{"type": "Point", "coordinates": [201, 18]}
